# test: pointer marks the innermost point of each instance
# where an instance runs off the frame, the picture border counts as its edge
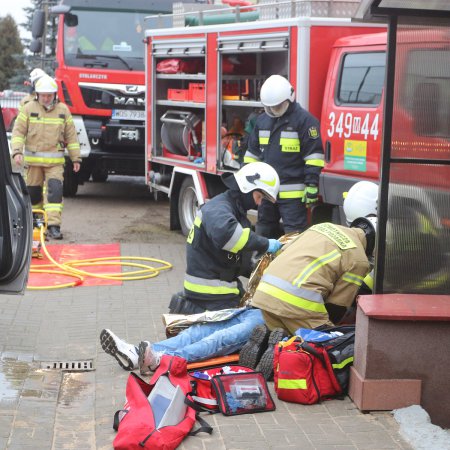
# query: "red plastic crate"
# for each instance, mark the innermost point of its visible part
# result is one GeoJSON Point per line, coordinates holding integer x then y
{"type": "Point", "coordinates": [178, 94]}
{"type": "Point", "coordinates": [197, 92]}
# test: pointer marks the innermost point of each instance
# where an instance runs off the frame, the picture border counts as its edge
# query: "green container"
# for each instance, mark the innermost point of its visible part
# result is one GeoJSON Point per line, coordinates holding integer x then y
{"type": "Point", "coordinates": [193, 21]}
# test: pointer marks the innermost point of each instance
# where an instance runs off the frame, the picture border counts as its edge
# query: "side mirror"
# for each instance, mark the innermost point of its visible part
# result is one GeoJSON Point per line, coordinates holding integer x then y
{"type": "Point", "coordinates": [71, 20]}
{"type": "Point", "coordinates": [36, 45]}
{"type": "Point", "coordinates": [38, 23]}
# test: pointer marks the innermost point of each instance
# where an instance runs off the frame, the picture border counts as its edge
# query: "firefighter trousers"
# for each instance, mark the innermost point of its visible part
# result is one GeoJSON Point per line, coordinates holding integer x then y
{"type": "Point", "coordinates": [51, 179]}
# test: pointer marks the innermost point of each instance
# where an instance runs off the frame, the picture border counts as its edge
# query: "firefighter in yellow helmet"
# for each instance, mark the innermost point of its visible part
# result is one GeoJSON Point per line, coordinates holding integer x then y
{"type": "Point", "coordinates": [43, 129]}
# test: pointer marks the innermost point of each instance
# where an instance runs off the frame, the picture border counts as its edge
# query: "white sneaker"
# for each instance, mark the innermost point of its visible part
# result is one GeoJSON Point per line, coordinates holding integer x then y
{"type": "Point", "coordinates": [148, 359]}
{"type": "Point", "coordinates": [125, 354]}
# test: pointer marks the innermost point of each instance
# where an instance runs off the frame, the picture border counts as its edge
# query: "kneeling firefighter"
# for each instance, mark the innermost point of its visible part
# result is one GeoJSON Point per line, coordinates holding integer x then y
{"type": "Point", "coordinates": [42, 131]}
{"type": "Point", "coordinates": [221, 241]}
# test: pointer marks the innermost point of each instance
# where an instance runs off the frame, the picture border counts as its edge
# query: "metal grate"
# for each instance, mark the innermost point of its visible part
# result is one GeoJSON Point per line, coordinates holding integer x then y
{"type": "Point", "coordinates": [69, 366]}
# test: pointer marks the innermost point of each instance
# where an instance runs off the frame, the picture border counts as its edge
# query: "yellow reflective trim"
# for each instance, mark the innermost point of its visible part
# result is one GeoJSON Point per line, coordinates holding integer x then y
{"type": "Point", "coordinates": [40, 160]}
{"type": "Point", "coordinates": [315, 265]}
{"type": "Point", "coordinates": [343, 363]}
{"type": "Point", "coordinates": [291, 194]}
{"type": "Point", "coordinates": [368, 281]}
{"type": "Point", "coordinates": [335, 234]}
{"type": "Point", "coordinates": [241, 241]}
{"type": "Point", "coordinates": [22, 117]}
{"type": "Point", "coordinates": [53, 207]}
{"type": "Point", "coordinates": [263, 140]}
{"type": "Point", "coordinates": [292, 384]}
{"type": "Point", "coordinates": [46, 121]}
{"type": "Point", "coordinates": [248, 159]}
{"type": "Point", "coordinates": [17, 140]}
{"type": "Point", "coordinates": [201, 289]}
{"type": "Point", "coordinates": [315, 162]}
{"type": "Point", "coordinates": [284, 296]}
{"type": "Point", "coordinates": [290, 145]}
{"type": "Point", "coordinates": [353, 278]}
{"type": "Point", "coordinates": [73, 146]}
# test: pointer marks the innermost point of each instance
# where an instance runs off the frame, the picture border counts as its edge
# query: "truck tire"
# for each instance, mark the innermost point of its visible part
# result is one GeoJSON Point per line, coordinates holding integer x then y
{"type": "Point", "coordinates": [70, 183]}
{"type": "Point", "coordinates": [187, 205]}
{"type": "Point", "coordinates": [99, 175]}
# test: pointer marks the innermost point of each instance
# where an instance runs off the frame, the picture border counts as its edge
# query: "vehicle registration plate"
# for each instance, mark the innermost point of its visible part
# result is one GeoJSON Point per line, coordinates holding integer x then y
{"type": "Point", "coordinates": [128, 114]}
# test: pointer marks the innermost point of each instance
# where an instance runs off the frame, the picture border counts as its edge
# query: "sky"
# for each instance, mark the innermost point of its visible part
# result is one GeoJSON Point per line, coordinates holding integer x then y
{"type": "Point", "coordinates": [15, 8]}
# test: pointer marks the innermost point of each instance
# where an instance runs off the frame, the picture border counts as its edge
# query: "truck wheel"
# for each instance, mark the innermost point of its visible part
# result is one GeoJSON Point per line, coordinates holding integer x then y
{"type": "Point", "coordinates": [70, 183]}
{"type": "Point", "coordinates": [187, 205]}
{"type": "Point", "coordinates": [99, 175]}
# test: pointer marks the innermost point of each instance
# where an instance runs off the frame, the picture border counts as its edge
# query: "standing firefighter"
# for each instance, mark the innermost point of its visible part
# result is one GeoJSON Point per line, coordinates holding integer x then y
{"type": "Point", "coordinates": [44, 127]}
{"type": "Point", "coordinates": [286, 136]}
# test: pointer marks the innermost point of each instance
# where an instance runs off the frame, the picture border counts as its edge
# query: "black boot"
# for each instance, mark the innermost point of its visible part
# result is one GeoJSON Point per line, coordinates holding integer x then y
{"type": "Point", "coordinates": [254, 348]}
{"type": "Point", "coordinates": [54, 232]}
{"type": "Point", "coordinates": [265, 364]}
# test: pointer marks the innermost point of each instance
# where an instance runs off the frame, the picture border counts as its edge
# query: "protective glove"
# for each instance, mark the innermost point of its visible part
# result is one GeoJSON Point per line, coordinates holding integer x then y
{"type": "Point", "coordinates": [311, 194]}
{"type": "Point", "coordinates": [274, 246]}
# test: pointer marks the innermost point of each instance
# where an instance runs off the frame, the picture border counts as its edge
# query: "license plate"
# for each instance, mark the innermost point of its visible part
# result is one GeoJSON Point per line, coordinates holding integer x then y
{"type": "Point", "coordinates": [128, 114]}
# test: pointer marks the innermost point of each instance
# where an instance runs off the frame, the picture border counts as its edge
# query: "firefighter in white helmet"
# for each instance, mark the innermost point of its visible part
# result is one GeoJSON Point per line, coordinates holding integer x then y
{"type": "Point", "coordinates": [287, 137]}
{"type": "Point", "coordinates": [221, 242]}
{"type": "Point", "coordinates": [42, 131]}
{"type": "Point", "coordinates": [35, 75]}
{"type": "Point", "coordinates": [361, 200]}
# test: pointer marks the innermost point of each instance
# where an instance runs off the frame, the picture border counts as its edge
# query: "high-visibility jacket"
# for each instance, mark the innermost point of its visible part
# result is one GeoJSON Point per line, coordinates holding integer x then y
{"type": "Point", "coordinates": [216, 245]}
{"type": "Point", "coordinates": [41, 135]}
{"type": "Point", "coordinates": [325, 264]}
{"type": "Point", "coordinates": [291, 144]}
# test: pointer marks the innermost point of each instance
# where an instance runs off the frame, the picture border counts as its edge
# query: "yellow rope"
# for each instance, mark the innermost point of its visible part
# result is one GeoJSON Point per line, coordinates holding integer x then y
{"type": "Point", "coordinates": [68, 268]}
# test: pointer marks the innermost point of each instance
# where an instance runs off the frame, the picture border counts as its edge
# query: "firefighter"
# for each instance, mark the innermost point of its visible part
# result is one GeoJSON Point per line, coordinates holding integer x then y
{"type": "Point", "coordinates": [35, 75]}
{"type": "Point", "coordinates": [287, 137]}
{"type": "Point", "coordinates": [44, 127]}
{"type": "Point", "coordinates": [221, 242]}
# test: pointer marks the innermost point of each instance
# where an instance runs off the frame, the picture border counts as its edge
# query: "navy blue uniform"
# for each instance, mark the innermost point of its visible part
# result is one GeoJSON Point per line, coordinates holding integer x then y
{"type": "Point", "coordinates": [291, 144]}
{"type": "Point", "coordinates": [216, 248]}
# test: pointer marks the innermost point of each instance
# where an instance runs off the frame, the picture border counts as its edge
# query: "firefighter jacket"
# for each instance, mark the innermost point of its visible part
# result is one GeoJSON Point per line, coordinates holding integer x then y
{"type": "Point", "coordinates": [291, 144]}
{"type": "Point", "coordinates": [325, 264]}
{"type": "Point", "coordinates": [41, 135]}
{"type": "Point", "coordinates": [216, 245]}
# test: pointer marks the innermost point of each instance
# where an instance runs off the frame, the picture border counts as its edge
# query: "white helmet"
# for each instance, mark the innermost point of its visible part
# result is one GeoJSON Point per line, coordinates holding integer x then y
{"type": "Point", "coordinates": [275, 90]}
{"type": "Point", "coordinates": [35, 74]}
{"type": "Point", "coordinates": [361, 200]}
{"type": "Point", "coordinates": [258, 176]}
{"type": "Point", "coordinates": [46, 85]}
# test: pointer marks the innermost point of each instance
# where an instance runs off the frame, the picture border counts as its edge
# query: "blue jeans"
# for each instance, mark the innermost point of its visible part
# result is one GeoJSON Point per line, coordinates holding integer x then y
{"type": "Point", "coordinates": [207, 340]}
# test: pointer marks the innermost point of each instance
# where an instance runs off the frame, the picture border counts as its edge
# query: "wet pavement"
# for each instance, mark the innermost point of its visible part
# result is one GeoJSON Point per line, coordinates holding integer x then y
{"type": "Point", "coordinates": [59, 390]}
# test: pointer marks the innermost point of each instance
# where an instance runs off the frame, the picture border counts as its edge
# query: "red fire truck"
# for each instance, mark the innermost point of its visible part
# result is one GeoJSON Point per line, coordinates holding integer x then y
{"type": "Point", "coordinates": [100, 72]}
{"type": "Point", "coordinates": [203, 83]}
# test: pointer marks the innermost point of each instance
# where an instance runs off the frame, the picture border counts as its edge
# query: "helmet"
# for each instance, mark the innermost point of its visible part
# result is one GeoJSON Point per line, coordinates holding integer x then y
{"type": "Point", "coordinates": [46, 85]}
{"type": "Point", "coordinates": [369, 226]}
{"type": "Point", "coordinates": [275, 90]}
{"type": "Point", "coordinates": [35, 74]}
{"type": "Point", "coordinates": [258, 176]}
{"type": "Point", "coordinates": [361, 200]}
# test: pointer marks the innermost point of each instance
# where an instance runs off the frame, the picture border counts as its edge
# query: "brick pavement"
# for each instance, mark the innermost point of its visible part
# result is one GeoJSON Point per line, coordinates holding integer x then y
{"type": "Point", "coordinates": [48, 409]}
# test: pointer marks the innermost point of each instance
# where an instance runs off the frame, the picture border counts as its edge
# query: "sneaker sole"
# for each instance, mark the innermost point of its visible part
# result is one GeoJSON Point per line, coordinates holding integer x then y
{"type": "Point", "coordinates": [265, 365]}
{"type": "Point", "coordinates": [252, 351]}
{"type": "Point", "coordinates": [109, 346]}
{"type": "Point", "coordinates": [141, 353]}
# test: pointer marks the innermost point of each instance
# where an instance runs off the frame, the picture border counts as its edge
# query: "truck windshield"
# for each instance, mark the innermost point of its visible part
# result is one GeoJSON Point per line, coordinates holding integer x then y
{"type": "Point", "coordinates": [114, 38]}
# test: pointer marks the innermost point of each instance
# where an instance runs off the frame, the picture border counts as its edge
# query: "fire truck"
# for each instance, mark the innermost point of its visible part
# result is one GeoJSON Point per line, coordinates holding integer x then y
{"type": "Point", "coordinates": [203, 85]}
{"type": "Point", "coordinates": [100, 72]}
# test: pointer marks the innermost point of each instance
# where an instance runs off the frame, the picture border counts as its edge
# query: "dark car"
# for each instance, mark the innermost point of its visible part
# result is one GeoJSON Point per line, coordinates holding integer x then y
{"type": "Point", "coordinates": [16, 224]}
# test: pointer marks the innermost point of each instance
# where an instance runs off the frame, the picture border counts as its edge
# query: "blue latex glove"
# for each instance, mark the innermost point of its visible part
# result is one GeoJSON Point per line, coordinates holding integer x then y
{"type": "Point", "coordinates": [274, 246]}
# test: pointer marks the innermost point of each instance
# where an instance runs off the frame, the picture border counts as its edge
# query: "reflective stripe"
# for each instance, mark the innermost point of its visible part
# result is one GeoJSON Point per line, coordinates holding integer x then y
{"type": "Point", "coordinates": [53, 207]}
{"type": "Point", "coordinates": [22, 117]}
{"type": "Point", "coordinates": [314, 156]}
{"type": "Point", "coordinates": [292, 191]}
{"type": "Point", "coordinates": [74, 146]}
{"type": "Point", "coordinates": [291, 145]}
{"type": "Point", "coordinates": [237, 240]}
{"type": "Point", "coordinates": [263, 136]}
{"type": "Point", "coordinates": [18, 140]}
{"type": "Point", "coordinates": [291, 289]}
{"type": "Point", "coordinates": [44, 157]}
{"type": "Point", "coordinates": [368, 280]}
{"type": "Point", "coordinates": [47, 120]}
{"type": "Point", "coordinates": [197, 223]}
{"type": "Point", "coordinates": [292, 384]}
{"type": "Point", "coordinates": [206, 286]}
{"type": "Point", "coordinates": [343, 363]}
{"type": "Point", "coordinates": [289, 135]}
{"type": "Point", "coordinates": [315, 265]}
{"type": "Point", "coordinates": [315, 162]}
{"type": "Point", "coordinates": [250, 157]}
{"type": "Point", "coordinates": [353, 278]}
{"type": "Point", "coordinates": [284, 296]}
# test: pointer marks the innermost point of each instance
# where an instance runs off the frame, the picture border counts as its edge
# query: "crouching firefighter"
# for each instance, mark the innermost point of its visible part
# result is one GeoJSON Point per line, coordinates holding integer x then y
{"type": "Point", "coordinates": [43, 128]}
{"type": "Point", "coordinates": [220, 243]}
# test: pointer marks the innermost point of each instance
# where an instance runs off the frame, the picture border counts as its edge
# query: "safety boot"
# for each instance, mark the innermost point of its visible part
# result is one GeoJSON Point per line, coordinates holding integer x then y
{"type": "Point", "coordinates": [54, 232]}
{"type": "Point", "coordinates": [265, 365]}
{"type": "Point", "coordinates": [254, 348]}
